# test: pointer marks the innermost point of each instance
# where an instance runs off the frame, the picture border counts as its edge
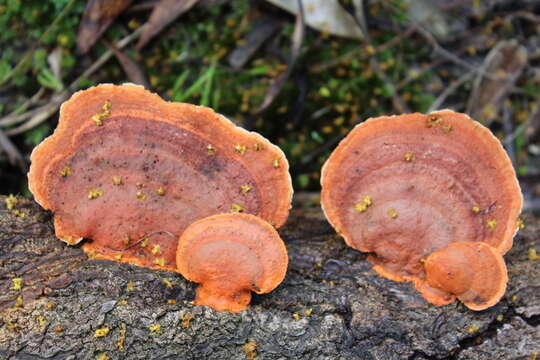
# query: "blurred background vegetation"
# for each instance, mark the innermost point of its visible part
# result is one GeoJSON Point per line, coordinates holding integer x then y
{"type": "Point", "coordinates": [303, 76]}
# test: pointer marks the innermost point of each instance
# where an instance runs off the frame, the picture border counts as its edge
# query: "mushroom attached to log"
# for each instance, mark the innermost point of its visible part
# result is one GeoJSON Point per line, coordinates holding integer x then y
{"type": "Point", "coordinates": [131, 171]}
{"type": "Point", "coordinates": [230, 255]}
{"type": "Point", "coordinates": [402, 187]}
{"type": "Point", "coordinates": [474, 272]}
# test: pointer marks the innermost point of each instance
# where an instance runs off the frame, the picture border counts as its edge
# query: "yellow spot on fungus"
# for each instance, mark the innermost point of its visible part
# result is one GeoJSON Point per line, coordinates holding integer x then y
{"type": "Point", "coordinates": [476, 208]}
{"type": "Point", "coordinates": [118, 257]}
{"type": "Point", "coordinates": [155, 328]}
{"type": "Point", "coordinates": [126, 240]}
{"type": "Point", "coordinates": [245, 189]}
{"type": "Point", "coordinates": [130, 286]}
{"type": "Point", "coordinates": [41, 320]}
{"type": "Point", "coordinates": [186, 320]}
{"type": "Point", "coordinates": [156, 249]}
{"type": "Point", "coordinates": [58, 329]}
{"type": "Point", "coordinates": [392, 213]}
{"type": "Point", "coordinates": [11, 201]}
{"type": "Point", "coordinates": [520, 223]}
{"type": "Point", "coordinates": [19, 302]}
{"type": "Point", "coordinates": [160, 191]}
{"type": "Point", "coordinates": [210, 151]}
{"type": "Point", "coordinates": [99, 333]}
{"type": "Point", "coordinates": [408, 157]}
{"type": "Point", "coordinates": [296, 316]}
{"type": "Point", "coordinates": [241, 149]}
{"type": "Point", "coordinates": [98, 118]}
{"type": "Point", "coordinates": [50, 306]}
{"type": "Point", "coordinates": [514, 298]}
{"type": "Point", "coordinates": [250, 348]}
{"type": "Point", "coordinates": [94, 193]}
{"type": "Point", "coordinates": [473, 329]}
{"type": "Point", "coordinates": [433, 120]}
{"type": "Point", "coordinates": [168, 283]}
{"type": "Point", "coordinates": [122, 303]}
{"type": "Point", "coordinates": [66, 171]}
{"type": "Point", "coordinates": [500, 318]}
{"type": "Point", "coordinates": [364, 205]}
{"type": "Point", "coordinates": [140, 195]}
{"type": "Point", "coordinates": [258, 147]}
{"type": "Point", "coordinates": [12, 326]}
{"type": "Point", "coordinates": [17, 284]}
{"type": "Point", "coordinates": [492, 224]}
{"type": "Point", "coordinates": [171, 301]}
{"type": "Point", "coordinates": [117, 180]}
{"type": "Point", "coordinates": [144, 242]}
{"type": "Point", "coordinates": [275, 163]}
{"type": "Point", "coordinates": [447, 128]}
{"type": "Point", "coordinates": [160, 261]}
{"type": "Point", "coordinates": [139, 185]}
{"type": "Point", "coordinates": [308, 312]}
{"type": "Point", "coordinates": [237, 208]}
{"type": "Point", "coordinates": [532, 254]}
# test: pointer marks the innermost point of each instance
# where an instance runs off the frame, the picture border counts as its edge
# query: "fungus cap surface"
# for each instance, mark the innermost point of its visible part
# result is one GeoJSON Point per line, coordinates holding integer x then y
{"type": "Point", "coordinates": [474, 272]}
{"type": "Point", "coordinates": [230, 255]}
{"type": "Point", "coordinates": [402, 187]}
{"type": "Point", "coordinates": [123, 163]}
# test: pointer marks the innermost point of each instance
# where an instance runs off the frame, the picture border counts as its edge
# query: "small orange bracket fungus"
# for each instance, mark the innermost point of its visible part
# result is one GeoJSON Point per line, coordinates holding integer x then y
{"type": "Point", "coordinates": [131, 171]}
{"type": "Point", "coordinates": [230, 255]}
{"type": "Point", "coordinates": [474, 272]}
{"type": "Point", "coordinates": [402, 187]}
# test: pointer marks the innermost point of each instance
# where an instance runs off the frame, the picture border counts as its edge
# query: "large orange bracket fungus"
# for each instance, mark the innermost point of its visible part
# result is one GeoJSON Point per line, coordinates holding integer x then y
{"type": "Point", "coordinates": [403, 187]}
{"type": "Point", "coordinates": [131, 171]}
{"type": "Point", "coordinates": [230, 255]}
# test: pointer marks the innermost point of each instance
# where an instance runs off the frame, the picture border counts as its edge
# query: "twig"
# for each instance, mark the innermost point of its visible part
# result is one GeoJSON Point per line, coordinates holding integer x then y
{"type": "Point", "coordinates": [14, 156]}
{"type": "Point", "coordinates": [438, 49]}
{"type": "Point", "coordinates": [14, 117]}
{"type": "Point", "coordinates": [507, 127]}
{"type": "Point", "coordinates": [450, 90]}
{"type": "Point", "coordinates": [354, 54]}
{"type": "Point", "coordinates": [29, 53]}
{"type": "Point", "coordinates": [44, 112]}
{"type": "Point", "coordinates": [397, 101]}
{"type": "Point", "coordinates": [277, 84]}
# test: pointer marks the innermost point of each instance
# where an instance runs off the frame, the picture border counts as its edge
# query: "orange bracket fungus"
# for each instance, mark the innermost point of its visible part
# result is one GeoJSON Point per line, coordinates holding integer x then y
{"type": "Point", "coordinates": [474, 272]}
{"type": "Point", "coordinates": [131, 171]}
{"type": "Point", "coordinates": [230, 255]}
{"type": "Point", "coordinates": [403, 187]}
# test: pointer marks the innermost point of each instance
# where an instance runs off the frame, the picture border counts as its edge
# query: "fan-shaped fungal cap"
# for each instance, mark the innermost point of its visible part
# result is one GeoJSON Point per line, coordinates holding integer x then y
{"type": "Point", "coordinates": [123, 164]}
{"type": "Point", "coordinates": [230, 255]}
{"type": "Point", "coordinates": [474, 272]}
{"type": "Point", "coordinates": [402, 187]}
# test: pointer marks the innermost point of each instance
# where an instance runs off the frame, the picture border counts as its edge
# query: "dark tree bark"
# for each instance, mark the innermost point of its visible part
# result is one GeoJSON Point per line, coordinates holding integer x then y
{"type": "Point", "coordinates": [330, 306]}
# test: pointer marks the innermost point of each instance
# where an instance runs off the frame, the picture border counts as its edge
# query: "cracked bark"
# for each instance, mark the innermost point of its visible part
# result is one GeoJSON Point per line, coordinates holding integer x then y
{"type": "Point", "coordinates": [355, 314]}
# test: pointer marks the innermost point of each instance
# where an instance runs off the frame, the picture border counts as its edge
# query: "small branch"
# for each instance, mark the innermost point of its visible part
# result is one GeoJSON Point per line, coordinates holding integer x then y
{"type": "Point", "coordinates": [450, 90]}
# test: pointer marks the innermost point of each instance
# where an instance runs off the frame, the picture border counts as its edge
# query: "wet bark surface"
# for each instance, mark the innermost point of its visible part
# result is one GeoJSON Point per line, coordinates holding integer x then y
{"type": "Point", "coordinates": [330, 306]}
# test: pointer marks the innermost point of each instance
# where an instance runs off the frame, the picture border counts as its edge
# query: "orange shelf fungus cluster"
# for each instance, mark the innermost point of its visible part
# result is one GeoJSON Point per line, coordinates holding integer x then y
{"type": "Point", "coordinates": [433, 199]}
{"type": "Point", "coordinates": [231, 255]}
{"type": "Point", "coordinates": [131, 172]}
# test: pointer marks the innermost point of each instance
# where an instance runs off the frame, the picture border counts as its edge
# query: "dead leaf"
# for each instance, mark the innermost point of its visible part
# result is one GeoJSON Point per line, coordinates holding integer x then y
{"type": "Point", "coordinates": [163, 14]}
{"type": "Point", "coordinates": [505, 62]}
{"type": "Point", "coordinates": [133, 71]}
{"type": "Point", "coordinates": [97, 17]}
{"type": "Point", "coordinates": [263, 28]}
{"type": "Point", "coordinates": [324, 15]}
